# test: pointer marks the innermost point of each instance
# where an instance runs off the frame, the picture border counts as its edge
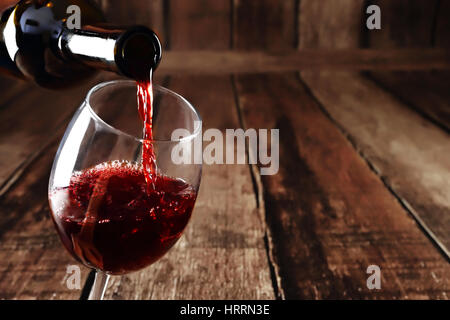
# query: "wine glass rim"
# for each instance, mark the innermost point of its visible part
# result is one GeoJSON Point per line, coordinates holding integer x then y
{"type": "Point", "coordinates": [101, 85]}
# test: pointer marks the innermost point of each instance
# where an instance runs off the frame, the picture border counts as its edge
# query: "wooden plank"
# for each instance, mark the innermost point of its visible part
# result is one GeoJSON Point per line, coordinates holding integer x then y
{"type": "Point", "coordinates": [131, 12]}
{"type": "Point", "coordinates": [442, 33]}
{"type": "Point", "coordinates": [220, 62]}
{"type": "Point", "coordinates": [21, 135]}
{"type": "Point", "coordinates": [264, 24]}
{"type": "Point", "coordinates": [269, 26]}
{"type": "Point", "coordinates": [199, 24]}
{"type": "Point", "coordinates": [426, 92]}
{"type": "Point", "coordinates": [222, 253]}
{"type": "Point", "coordinates": [405, 23]}
{"type": "Point", "coordinates": [331, 216]}
{"type": "Point", "coordinates": [413, 24]}
{"type": "Point", "coordinates": [32, 259]}
{"type": "Point", "coordinates": [408, 153]}
{"type": "Point", "coordinates": [330, 24]}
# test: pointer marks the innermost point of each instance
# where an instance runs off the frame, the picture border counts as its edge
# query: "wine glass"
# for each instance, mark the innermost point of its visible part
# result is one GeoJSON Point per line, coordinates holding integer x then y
{"type": "Point", "coordinates": [103, 210]}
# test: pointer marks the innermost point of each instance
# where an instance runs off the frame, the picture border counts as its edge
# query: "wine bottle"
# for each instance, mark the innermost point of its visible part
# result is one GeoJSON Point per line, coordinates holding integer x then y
{"type": "Point", "coordinates": [36, 43]}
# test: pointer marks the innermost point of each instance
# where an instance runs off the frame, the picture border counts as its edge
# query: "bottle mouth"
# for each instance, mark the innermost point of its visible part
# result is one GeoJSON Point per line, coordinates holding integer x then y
{"type": "Point", "coordinates": [138, 51]}
{"type": "Point", "coordinates": [132, 52]}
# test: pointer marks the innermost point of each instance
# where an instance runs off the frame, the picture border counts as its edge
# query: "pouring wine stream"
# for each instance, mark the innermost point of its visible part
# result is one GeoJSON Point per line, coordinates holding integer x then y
{"type": "Point", "coordinates": [145, 109]}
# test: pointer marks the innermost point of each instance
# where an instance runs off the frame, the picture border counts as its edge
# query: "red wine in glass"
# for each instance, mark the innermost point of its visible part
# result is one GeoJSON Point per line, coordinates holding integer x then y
{"type": "Point", "coordinates": [114, 210]}
{"type": "Point", "coordinates": [119, 216]}
{"type": "Point", "coordinates": [108, 220]}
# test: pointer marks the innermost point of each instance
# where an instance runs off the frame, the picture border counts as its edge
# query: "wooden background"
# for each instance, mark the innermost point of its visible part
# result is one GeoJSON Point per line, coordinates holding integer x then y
{"type": "Point", "coordinates": [364, 176]}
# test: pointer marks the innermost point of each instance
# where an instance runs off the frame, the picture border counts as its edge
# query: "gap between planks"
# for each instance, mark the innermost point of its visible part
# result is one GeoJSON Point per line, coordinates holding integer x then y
{"type": "Point", "coordinates": [259, 195]}
{"type": "Point", "coordinates": [404, 203]}
{"type": "Point", "coordinates": [436, 121]}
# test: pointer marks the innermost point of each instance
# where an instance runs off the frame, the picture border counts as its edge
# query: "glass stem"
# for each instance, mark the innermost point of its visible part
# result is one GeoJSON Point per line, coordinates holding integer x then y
{"type": "Point", "coordinates": [99, 287]}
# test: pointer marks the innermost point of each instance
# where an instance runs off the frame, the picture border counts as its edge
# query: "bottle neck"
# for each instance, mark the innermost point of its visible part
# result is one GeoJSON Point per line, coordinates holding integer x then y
{"type": "Point", "coordinates": [132, 52]}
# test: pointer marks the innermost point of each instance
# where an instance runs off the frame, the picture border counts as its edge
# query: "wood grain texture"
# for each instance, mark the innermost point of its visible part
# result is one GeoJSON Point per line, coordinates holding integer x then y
{"type": "Point", "coordinates": [226, 62]}
{"type": "Point", "coordinates": [33, 261]}
{"type": "Point", "coordinates": [330, 24]}
{"type": "Point", "coordinates": [222, 253]}
{"type": "Point", "coordinates": [199, 24]}
{"type": "Point", "coordinates": [405, 23]}
{"type": "Point", "coordinates": [409, 153]}
{"type": "Point", "coordinates": [426, 92]}
{"type": "Point", "coordinates": [331, 216]}
{"type": "Point", "coordinates": [21, 135]}
{"type": "Point", "coordinates": [415, 24]}
{"type": "Point", "coordinates": [269, 26]}
{"type": "Point", "coordinates": [264, 24]}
